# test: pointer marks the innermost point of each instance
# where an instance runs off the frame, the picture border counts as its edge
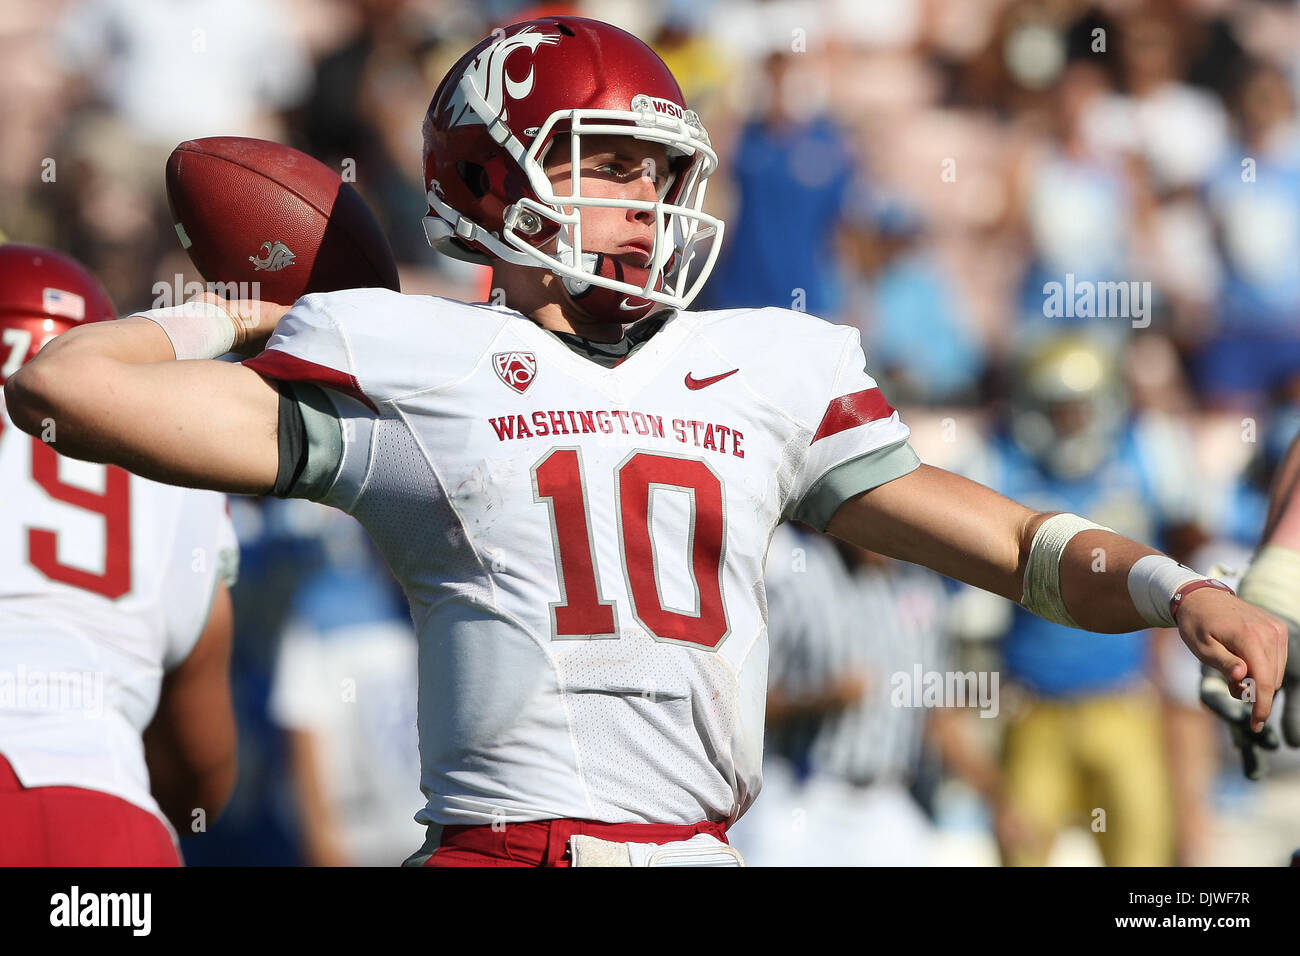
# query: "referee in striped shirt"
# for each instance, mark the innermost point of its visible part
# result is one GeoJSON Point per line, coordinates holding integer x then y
{"type": "Point", "coordinates": [847, 631]}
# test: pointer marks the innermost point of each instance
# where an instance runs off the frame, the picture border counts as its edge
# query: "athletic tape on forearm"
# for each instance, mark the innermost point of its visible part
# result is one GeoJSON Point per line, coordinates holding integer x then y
{"type": "Point", "coordinates": [1042, 592]}
{"type": "Point", "coordinates": [1152, 583]}
{"type": "Point", "coordinates": [198, 330]}
{"type": "Point", "coordinates": [1273, 581]}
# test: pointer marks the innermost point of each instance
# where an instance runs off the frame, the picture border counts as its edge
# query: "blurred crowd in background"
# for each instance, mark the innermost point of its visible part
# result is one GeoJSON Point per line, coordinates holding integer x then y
{"type": "Point", "coordinates": [1069, 234]}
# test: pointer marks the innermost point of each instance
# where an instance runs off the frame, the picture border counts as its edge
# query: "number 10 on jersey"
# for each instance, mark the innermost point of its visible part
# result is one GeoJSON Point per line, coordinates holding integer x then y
{"type": "Point", "coordinates": [559, 483]}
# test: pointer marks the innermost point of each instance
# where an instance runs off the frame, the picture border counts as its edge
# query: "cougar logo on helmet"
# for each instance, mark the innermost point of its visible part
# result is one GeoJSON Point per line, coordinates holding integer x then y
{"type": "Point", "coordinates": [488, 74]}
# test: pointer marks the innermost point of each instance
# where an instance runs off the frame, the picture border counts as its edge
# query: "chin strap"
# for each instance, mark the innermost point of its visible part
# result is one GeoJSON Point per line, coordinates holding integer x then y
{"type": "Point", "coordinates": [607, 305]}
{"type": "Point", "coordinates": [587, 263]}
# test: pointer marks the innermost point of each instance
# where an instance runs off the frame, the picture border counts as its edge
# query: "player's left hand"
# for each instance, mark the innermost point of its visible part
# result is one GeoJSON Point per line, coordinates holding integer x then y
{"type": "Point", "coordinates": [1248, 646]}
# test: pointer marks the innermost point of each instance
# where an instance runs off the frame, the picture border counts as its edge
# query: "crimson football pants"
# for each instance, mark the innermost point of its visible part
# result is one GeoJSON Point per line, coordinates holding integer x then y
{"type": "Point", "coordinates": [70, 826]}
{"type": "Point", "coordinates": [546, 842]}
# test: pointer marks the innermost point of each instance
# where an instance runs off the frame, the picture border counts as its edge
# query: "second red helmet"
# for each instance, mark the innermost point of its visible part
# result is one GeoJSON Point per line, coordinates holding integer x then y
{"type": "Point", "coordinates": [42, 294]}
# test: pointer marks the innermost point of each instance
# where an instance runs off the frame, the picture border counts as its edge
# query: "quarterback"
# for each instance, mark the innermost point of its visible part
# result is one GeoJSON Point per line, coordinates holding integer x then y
{"type": "Point", "coordinates": [576, 482]}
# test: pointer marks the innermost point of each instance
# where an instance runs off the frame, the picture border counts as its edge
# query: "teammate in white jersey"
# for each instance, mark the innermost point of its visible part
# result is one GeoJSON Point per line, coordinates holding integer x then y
{"type": "Point", "coordinates": [576, 485]}
{"type": "Point", "coordinates": [114, 625]}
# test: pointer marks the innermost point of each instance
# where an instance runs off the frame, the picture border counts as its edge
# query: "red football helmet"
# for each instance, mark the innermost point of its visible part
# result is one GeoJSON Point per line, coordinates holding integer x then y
{"type": "Point", "coordinates": [42, 293]}
{"type": "Point", "coordinates": [501, 109]}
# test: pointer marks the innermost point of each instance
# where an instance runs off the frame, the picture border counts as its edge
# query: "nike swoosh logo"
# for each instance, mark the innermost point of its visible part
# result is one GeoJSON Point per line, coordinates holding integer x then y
{"type": "Point", "coordinates": [693, 382]}
{"type": "Point", "coordinates": [640, 304]}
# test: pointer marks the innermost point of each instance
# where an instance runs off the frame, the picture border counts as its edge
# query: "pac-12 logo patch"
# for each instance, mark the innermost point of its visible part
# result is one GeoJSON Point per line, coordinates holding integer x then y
{"type": "Point", "coordinates": [516, 369]}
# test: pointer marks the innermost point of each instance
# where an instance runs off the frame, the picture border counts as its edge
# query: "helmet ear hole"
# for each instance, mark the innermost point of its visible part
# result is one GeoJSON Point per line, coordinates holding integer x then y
{"type": "Point", "coordinates": [474, 177]}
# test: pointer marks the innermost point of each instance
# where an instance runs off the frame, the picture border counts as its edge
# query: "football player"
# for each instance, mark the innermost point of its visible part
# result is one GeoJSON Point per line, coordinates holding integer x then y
{"type": "Point", "coordinates": [576, 481]}
{"type": "Point", "coordinates": [115, 620]}
{"type": "Point", "coordinates": [1086, 730]}
{"type": "Point", "coordinates": [1271, 582]}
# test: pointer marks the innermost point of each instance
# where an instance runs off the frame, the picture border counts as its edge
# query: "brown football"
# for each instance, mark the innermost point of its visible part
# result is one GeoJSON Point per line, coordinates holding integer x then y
{"type": "Point", "coordinates": [252, 211]}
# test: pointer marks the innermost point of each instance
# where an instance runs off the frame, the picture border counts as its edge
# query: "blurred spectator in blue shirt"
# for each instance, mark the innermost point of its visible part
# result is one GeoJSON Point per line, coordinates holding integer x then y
{"type": "Point", "coordinates": [344, 692]}
{"type": "Point", "coordinates": [1075, 201]}
{"type": "Point", "coordinates": [791, 168]}
{"type": "Point", "coordinates": [916, 328]}
{"type": "Point", "coordinates": [1255, 202]}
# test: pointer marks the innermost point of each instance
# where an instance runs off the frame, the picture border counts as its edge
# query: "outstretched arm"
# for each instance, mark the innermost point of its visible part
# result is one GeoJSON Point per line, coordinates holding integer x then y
{"type": "Point", "coordinates": [968, 532]}
{"type": "Point", "coordinates": [113, 392]}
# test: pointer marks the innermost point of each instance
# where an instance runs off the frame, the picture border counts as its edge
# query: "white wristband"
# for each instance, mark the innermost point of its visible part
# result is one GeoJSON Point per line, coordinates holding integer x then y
{"type": "Point", "coordinates": [1152, 583]}
{"type": "Point", "coordinates": [197, 330]}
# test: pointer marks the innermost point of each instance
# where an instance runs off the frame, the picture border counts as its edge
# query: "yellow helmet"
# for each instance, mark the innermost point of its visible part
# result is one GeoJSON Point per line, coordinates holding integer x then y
{"type": "Point", "coordinates": [1068, 403]}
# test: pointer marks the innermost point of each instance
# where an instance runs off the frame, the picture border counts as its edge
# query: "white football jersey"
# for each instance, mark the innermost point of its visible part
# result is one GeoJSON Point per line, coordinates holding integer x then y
{"type": "Point", "coordinates": [106, 582]}
{"type": "Point", "coordinates": [582, 547]}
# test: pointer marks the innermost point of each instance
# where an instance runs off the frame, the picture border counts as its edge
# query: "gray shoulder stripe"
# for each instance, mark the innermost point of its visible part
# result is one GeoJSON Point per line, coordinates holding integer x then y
{"type": "Point", "coordinates": [324, 443]}
{"type": "Point", "coordinates": [853, 477]}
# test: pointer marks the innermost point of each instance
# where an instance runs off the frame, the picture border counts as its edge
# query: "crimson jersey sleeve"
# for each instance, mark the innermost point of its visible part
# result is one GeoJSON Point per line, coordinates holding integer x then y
{"type": "Point", "coordinates": [311, 345]}
{"type": "Point", "coordinates": [856, 440]}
